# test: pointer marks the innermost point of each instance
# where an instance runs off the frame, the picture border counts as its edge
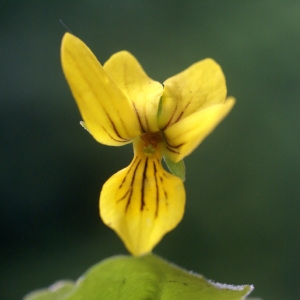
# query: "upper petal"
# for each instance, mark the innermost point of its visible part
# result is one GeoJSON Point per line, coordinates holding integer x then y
{"type": "Point", "coordinates": [199, 86]}
{"type": "Point", "coordinates": [105, 109]}
{"type": "Point", "coordinates": [142, 203]}
{"type": "Point", "coordinates": [184, 136]}
{"type": "Point", "coordinates": [143, 92]}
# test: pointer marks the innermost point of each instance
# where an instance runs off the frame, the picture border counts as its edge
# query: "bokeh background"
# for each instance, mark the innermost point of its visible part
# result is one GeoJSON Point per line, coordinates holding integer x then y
{"type": "Point", "coordinates": [242, 215]}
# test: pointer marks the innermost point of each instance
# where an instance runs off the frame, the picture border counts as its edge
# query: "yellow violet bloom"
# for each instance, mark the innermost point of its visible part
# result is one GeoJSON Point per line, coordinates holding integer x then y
{"type": "Point", "coordinates": [120, 104]}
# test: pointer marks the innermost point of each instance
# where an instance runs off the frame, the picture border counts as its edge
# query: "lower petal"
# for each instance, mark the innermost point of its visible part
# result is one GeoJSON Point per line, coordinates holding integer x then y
{"type": "Point", "coordinates": [142, 203]}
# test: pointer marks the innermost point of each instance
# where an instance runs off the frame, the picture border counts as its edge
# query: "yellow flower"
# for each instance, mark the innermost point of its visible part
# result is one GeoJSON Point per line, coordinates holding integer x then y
{"type": "Point", "coordinates": [120, 104]}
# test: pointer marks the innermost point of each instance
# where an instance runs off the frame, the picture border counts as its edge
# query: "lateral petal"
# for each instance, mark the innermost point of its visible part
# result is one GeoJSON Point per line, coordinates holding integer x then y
{"type": "Point", "coordinates": [184, 136]}
{"type": "Point", "coordinates": [105, 109]}
{"type": "Point", "coordinates": [143, 92]}
{"type": "Point", "coordinates": [141, 203]}
{"type": "Point", "coordinates": [199, 86]}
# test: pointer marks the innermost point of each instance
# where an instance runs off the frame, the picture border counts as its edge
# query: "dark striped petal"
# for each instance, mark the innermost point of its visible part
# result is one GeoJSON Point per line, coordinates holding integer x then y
{"type": "Point", "coordinates": [184, 136]}
{"type": "Point", "coordinates": [143, 92]}
{"type": "Point", "coordinates": [142, 203]}
{"type": "Point", "coordinates": [107, 113]}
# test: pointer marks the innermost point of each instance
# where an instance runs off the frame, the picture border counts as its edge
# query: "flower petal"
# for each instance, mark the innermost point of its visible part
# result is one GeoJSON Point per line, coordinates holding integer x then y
{"type": "Point", "coordinates": [144, 92]}
{"type": "Point", "coordinates": [105, 109]}
{"type": "Point", "coordinates": [199, 86]}
{"type": "Point", "coordinates": [142, 203]}
{"type": "Point", "coordinates": [183, 137]}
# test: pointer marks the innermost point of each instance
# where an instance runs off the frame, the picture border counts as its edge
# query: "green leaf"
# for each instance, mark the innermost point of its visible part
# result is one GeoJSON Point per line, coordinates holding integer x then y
{"type": "Point", "coordinates": [147, 277]}
{"type": "Point", "coordinates": [56, 291]}
{"type": "Point", "coordinates": [178, 169]}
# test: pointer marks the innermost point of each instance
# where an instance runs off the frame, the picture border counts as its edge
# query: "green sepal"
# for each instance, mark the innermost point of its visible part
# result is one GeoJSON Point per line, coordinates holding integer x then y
{"type": "Point", "coordinates": [144, 277]}
{"type": "Point", "coordinates": [159, 109]}
{"type": "Point", "coordinates": [178, 169]}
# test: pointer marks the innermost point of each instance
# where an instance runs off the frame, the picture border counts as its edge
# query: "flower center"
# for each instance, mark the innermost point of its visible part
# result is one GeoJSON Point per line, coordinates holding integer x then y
{"type": "Point", "coordinates": [151, 141]}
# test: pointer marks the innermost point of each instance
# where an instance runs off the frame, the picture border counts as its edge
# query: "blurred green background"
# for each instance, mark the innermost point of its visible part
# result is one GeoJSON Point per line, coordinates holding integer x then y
{"type": "Point", "coordinates": [241, 223]}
